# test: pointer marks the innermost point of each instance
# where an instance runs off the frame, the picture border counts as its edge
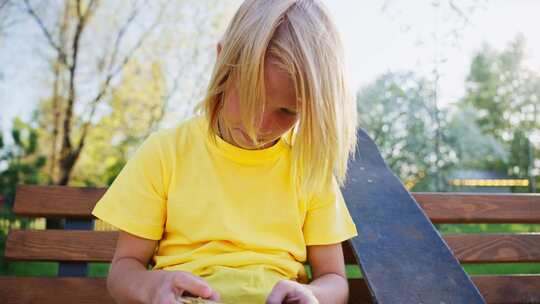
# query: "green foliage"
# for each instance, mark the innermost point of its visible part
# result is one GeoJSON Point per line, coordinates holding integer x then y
{"type": "Point", "coordinates": [505, 95]}
{"type": "Point", "coordinates": [131, 112]}
{"type": "Point", "coordinates": [490, 128]}
{"type": "Point", "coordinates": [396, 110]}
{"type": "Point", "coordinates": [473, 148]}
{"type": "Point", "coordinates": [20, 163]}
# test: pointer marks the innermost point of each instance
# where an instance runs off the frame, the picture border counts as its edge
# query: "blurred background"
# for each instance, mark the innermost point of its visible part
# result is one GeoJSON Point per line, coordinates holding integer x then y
{"type": "Point", "coordinates": [449, 90]}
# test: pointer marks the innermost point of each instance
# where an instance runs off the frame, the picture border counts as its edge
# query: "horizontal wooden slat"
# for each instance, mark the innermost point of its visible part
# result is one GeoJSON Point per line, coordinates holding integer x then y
{"type": "Point", "coordinates": [489, 248]}
{"type": "Point", "coordinates": [509, 289]}
{"type": "Point", "coordinates": [31, 290]}
{"type": "Point", "coordinates": [451, 207]}
{"type": "Point", "coordinates": [456, 207]}
{"type": "Point", "coordinates": [77, 246]}
{"type": "Point", "coordinates": [61, 245]}
{"type": "Point", "coordinates": [523, 289]}
{"type": "Point", "coordinates": [26, 290]}
{"type": "Point", "coordinates": [56, 201]}
{"type": "Point", "coordinates": [98, 246]}
{"type": "Point", "coordinates": [504, 289]}
{"type": "Point", "coordinates": [485, 248]}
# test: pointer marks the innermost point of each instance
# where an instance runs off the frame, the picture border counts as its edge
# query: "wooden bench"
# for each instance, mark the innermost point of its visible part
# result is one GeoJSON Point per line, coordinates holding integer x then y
{"type": "Point", "coordinates": [78, 244]}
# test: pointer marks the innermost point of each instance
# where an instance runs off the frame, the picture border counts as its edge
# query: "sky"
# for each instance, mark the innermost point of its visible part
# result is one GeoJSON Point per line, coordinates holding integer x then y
{"type": "Point", "coordinates": [376, 41]}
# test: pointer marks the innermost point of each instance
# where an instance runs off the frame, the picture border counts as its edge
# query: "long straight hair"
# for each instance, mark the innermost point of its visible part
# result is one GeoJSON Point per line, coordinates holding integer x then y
{"type": "Point", "coordinates": [302, 37]}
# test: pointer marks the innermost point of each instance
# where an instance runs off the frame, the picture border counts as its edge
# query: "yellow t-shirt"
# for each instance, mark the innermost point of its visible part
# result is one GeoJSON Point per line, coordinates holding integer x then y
{"type": "Point", "coordinates": [224, 213]}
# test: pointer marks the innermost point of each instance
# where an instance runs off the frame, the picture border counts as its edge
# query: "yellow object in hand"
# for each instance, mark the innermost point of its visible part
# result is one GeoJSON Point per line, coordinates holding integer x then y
{"type": "Point", "coordinates": [192, 300]}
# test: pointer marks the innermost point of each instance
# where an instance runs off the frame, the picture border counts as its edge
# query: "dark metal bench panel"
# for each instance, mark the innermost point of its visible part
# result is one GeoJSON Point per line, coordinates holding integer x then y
{"type": "Point", "coordinates": [402, 256]}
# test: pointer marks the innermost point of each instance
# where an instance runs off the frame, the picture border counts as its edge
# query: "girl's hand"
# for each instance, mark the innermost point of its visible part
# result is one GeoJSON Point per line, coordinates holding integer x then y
{"type": "Point", "coordinates": [291, 292]}
{"type": "Point", "coordinates": [173, 284]}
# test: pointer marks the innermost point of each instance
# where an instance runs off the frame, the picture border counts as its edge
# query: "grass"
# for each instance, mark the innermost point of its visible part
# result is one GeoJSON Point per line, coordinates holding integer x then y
{"type": "Point", "coordinates": [50, 269]}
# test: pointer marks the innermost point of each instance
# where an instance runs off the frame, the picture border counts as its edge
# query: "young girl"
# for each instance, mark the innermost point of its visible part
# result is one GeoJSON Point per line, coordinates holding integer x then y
{"type": "Point", "coordinates": [229, 204]}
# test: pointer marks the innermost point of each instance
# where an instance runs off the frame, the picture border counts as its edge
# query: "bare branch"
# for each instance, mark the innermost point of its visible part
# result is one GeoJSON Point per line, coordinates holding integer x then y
{"type": "Point", "coordinates": [82, 21]}
{"type": "Point", "coordinates": [199, 78]}
{"type": "Point", "coordinates": [114, 72]}
{"type": "Point", "coordinates": [46, 32]}
{"type": "Point", "coordinates": [7, 20]}
{"type": "Point", "coordinates": [72, 72]}
{"type": "Point", "coordinates": [140, 42]}
{"type": "Point", "coordinates": [79, 9]}
{"type": "Point", "coordinates": [459, 11]}
{"type": "Point", "coordinates": [120, 35]}
{"type": "Point", "coordinates": [58, 101]}
{"type": "Point", "coordinates": [3, 4]}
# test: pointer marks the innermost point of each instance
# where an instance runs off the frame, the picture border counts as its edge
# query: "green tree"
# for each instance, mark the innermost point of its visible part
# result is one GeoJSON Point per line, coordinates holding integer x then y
{"type": "Point", "coordinates": [472, 148]}
{"type": "Point", "coordinates": [90, 43]}
{"type": "Point", "coordinates": [134, 109]}
{"type": "Point", "coordinates": [395, 110]}
{"type": "Point", "coordinates": [505, 94]}
{"type": "Point", "coordinates": [21, 163]}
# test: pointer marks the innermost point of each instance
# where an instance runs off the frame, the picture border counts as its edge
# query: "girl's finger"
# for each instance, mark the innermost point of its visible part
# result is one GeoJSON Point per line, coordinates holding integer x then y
{"type": "Point", "coordinates": [278, 293]}
{"type": "Point", "coordinates": [198, 288]}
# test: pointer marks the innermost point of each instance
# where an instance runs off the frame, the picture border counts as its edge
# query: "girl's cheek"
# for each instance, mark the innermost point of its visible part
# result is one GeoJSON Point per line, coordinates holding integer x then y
{"type": "Point", "coordinates": [235, 107]}
{"type": "Point", "coordinates": [287, 122]}
{"type": "Point", "coordinates": [232, 110]}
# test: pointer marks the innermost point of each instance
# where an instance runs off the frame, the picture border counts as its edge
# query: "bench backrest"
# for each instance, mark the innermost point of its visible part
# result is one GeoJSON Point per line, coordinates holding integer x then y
{"type": "Point", "coordinates": [74, 246]}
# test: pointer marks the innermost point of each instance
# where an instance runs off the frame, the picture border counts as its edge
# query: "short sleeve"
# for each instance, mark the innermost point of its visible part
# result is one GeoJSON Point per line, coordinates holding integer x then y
{"type": "Point", "coordinates": [136, 200]}
{"type": "Point", "coordinates": [328, 220]}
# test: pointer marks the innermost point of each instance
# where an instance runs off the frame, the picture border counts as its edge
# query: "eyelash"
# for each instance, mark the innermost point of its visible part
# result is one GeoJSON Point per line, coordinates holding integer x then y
{"type": "Point", "coordinates": [284, 110]}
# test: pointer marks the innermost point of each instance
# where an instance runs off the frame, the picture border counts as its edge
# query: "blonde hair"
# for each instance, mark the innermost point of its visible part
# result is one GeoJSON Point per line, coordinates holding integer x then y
{"type": "Point", "coordinates": [301, 35]}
